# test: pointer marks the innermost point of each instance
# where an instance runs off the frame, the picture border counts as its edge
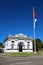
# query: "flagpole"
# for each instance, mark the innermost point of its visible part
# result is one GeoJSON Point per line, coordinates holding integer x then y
{"type": "Point", "coordinates": [34, 32]}
{"type": "Point", "coordinates": [34, 38]}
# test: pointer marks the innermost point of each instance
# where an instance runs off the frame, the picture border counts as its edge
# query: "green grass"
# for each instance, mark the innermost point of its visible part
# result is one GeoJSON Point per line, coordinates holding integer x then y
{"type": "Point", "coordinates": [24, 54]}
{"type": "Point", "coordinates": [17, 54]}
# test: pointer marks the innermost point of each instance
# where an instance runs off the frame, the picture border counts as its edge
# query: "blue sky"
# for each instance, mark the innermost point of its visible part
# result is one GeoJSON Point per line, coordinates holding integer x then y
{"type": "Point", "coordinates": [16, 16]}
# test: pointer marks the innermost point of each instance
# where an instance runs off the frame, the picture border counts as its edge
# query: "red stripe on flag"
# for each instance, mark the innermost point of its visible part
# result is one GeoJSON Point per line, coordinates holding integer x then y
{"type": "Point", "coordinates": [34, 14]}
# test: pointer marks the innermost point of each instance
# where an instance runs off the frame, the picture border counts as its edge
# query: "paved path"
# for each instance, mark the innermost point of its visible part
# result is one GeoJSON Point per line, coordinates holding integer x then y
{"type": "Point", "coordinates": [32, 60]}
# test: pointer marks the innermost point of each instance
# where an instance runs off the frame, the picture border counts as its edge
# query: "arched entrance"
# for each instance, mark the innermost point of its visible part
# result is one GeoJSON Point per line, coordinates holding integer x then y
{"type": "Point", "coordinates": [20, 46]}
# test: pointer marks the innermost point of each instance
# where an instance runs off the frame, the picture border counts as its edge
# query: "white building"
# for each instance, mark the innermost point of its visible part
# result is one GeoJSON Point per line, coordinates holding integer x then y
{"type": "Point", "coordinates": [18, 43]}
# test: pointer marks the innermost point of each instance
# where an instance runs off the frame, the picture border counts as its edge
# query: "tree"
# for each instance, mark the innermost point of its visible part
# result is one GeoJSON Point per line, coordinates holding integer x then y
{"type": "Point", "coordinates": [1, 45]}
{"type": "Point", "coordinates": [38, 44]}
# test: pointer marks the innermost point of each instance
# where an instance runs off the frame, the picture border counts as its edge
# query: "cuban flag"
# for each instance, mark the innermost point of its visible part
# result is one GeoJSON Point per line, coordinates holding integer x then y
{"type": "Point", "coordinates": [34, 17]}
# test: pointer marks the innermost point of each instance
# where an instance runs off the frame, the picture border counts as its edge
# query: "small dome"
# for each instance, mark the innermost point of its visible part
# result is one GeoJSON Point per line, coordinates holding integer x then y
{"type": "Point", "coordinates": [20, 35]}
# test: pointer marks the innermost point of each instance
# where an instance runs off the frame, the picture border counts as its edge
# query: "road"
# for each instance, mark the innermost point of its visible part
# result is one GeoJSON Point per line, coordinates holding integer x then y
{"type": "Point", "coordinates": [31, 60]}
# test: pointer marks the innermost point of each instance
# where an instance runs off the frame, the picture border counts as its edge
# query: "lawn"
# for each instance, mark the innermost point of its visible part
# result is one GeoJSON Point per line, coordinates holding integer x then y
{"type": "Point", "coordinates": [24, 54]}
{"type": "Point", "coordinates": [17, 54]}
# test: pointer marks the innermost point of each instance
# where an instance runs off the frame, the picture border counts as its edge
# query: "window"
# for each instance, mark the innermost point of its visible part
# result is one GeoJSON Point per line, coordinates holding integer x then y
{"type": "Point", "coordinates": [12, 46]}
{"type": "Point", "coordinates": [27, 45]}
{"type": "Point", "coordinates": [12, 41]}
{"type": "Point", "coordinates": [23, 46]}
{"type": "Point", "coordinates": [28, 42]}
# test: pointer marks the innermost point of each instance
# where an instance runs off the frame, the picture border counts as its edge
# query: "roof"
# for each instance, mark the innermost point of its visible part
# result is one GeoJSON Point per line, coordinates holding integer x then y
{"type": "Point", "coordinates": [18, 37]}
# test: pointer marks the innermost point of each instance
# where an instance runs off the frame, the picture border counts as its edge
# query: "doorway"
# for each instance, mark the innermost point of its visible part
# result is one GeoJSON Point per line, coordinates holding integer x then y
{"type": "Point", "coordinates": [20, 47]}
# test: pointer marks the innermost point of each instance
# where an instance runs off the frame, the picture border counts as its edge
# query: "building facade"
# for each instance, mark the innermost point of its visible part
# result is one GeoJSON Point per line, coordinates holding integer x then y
{"type": "Point", "coordinates": [18, 43]}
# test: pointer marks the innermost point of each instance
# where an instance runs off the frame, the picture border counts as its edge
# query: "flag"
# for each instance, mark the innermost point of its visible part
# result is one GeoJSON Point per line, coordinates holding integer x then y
{"type": "Point", "coordinates": [34, 22]}
{"type": "Point", "coordinates": [34, 17]}
{"type": "Point", "coordinates": [34, 14]}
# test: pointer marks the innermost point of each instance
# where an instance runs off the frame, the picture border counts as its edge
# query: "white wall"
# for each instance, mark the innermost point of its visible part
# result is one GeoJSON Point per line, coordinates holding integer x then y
{"type": "Point", "coordinates": [30, 45]}
{"type": "Point", "coordinates": [8, 45]}
{"type": "Point", "coordinates": [27, 50]}
{"type": "Point", "coordinates": [11, 50]}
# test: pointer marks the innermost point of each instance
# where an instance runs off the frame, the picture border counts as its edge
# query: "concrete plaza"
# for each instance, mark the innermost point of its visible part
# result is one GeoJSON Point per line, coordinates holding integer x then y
{"type": "Point", "coordinates": [31, 60]}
